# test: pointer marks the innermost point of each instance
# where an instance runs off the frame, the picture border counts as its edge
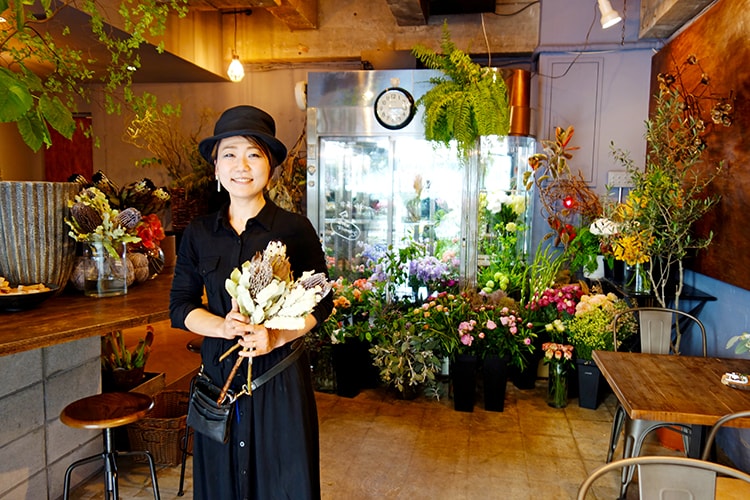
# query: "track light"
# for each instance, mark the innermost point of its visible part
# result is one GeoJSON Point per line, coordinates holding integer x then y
{"type": "Point", "coordinates": [610, 16]}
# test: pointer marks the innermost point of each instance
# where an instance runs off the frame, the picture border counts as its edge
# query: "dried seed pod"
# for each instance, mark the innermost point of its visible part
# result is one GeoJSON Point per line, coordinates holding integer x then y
{"type": "Point", "coordinates": [128, 218]}
{"type": "Point", "coordinates": [87, 218]}
{"type": "Point", "coordinates": [260, 279]}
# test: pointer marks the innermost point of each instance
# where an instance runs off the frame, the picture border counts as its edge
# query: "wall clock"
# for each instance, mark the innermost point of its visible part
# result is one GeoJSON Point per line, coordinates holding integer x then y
{"type": "Point", "coordinates": [394, 108]}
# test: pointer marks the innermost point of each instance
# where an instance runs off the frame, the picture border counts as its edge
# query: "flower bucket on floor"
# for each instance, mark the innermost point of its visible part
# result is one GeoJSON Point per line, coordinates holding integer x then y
{"type": "Point", "coordinates": [464, 378]}
{"type": "Point", "coordinates": [589, 384]}
{"type": "Point", "coordinates": [495, 379]}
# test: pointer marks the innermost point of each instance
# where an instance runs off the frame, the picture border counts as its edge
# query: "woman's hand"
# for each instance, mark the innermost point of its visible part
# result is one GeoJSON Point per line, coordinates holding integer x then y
{"type": "Point", "coordinates": [235, 323]}
{"type": "Point", "coordinates": [258, 341]}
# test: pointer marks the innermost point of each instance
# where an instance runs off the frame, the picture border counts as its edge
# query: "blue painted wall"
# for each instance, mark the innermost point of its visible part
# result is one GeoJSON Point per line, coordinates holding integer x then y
{"type": "Point", "coordinates": [725, 318]}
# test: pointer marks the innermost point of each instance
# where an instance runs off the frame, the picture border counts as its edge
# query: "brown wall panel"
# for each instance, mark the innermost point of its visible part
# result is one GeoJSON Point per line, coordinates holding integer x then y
{"type": "Point", "coordinates": [721, 40]}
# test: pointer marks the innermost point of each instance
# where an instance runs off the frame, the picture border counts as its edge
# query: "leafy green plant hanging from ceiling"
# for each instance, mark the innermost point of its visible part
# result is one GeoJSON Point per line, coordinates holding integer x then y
{"type": "Point", "coordinates": [468, 102]}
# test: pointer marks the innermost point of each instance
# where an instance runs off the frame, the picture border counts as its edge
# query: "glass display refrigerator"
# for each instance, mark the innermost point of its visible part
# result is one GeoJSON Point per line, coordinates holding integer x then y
{"type": "Point", "coordinates": [374, 182]}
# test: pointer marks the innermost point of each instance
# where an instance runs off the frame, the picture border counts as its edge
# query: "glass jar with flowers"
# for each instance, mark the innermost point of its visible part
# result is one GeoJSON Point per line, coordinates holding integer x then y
{"type": "Point", "coordinates": [590, 329]}
{"type": "Point", "coordinates": [559, 359]}
{"type": "Point", "coordinates": [631, 244]}
{"type": "Point", "coordinates": [546, 312]}
{"type": "Point", "coordinates": [106, 232]}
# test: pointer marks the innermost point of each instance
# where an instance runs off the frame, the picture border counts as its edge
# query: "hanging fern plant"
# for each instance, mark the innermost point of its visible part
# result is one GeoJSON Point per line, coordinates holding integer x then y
{"type": "Point", "coordinates": [468, 102]}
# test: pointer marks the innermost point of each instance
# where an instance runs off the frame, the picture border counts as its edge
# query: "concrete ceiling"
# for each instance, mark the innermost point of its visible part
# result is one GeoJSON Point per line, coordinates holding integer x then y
{"type": "Point", "coordinates": [659, 18]}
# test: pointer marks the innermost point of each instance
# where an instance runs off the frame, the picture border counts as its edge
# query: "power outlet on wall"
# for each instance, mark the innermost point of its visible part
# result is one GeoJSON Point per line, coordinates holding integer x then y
{"type": "Point", "coordinates": [619, 179]}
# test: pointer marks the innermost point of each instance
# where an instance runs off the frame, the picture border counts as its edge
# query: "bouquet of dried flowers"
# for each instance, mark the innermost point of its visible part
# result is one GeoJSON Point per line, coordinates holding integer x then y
{"type": "Point", "coordinates": [267, 294]}
{"type": "Point", "coordinates": [93, 220]}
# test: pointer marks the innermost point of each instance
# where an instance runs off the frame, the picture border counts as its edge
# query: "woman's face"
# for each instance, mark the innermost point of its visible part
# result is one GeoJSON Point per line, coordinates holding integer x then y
{"type": "Point", "coordinates": [242, 167]}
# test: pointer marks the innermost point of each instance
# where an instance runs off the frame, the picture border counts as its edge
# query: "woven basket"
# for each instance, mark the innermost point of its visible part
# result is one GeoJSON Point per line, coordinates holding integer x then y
{"type": "Point", "coordinates": [185, 207]}
{"type": "Point", "coordinates": [161, 433]}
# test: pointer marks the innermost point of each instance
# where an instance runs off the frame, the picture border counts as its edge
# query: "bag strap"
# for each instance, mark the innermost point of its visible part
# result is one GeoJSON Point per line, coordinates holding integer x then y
{"type": "Point", "coordinates": [297, 348]}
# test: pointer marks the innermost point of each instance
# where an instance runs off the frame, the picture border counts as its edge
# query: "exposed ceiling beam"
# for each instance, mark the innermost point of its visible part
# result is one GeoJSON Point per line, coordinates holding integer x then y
{"type": "Point", "coordinates": [296, 14]}
{"type": "Point", "coordinates": [409, 12]}
{"type": "Point", "coordinates": [661, 18]}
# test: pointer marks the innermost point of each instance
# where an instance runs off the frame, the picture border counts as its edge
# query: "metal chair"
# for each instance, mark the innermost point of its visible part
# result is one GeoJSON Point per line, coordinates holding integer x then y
{"type": "Point", "coordinates": [656, 327]}
{"type": "Point", "coordinates": [668, 477]}
{"type": "Point", "coordinates": [715, 428]}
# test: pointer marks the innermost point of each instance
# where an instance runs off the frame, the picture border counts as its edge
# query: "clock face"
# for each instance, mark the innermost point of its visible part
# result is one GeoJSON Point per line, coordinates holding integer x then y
{"type": "Point", "coordinates": [394, 108]}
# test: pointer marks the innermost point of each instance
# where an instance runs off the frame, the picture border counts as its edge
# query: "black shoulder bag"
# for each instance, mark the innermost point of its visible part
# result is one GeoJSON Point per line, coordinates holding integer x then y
{"type": "Point", "coordinates": [208, 417]}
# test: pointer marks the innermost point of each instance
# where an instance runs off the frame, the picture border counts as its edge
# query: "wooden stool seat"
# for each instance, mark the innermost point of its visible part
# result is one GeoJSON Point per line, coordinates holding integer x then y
{"type": "Point", "coordinates": [107, 411]}
{"type": "Point", "coordinates": [110, 409]}
{"type": "Point", "coordinates": [195, 344]}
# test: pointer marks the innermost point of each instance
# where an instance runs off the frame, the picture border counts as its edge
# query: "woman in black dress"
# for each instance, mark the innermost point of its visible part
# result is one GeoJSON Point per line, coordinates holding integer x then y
{"type": "Point", "coordinates": [273, 449]}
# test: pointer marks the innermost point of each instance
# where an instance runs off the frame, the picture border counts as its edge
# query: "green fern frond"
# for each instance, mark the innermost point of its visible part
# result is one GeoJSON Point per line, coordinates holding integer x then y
{"type": "Point", "coordinates": [470, 101]}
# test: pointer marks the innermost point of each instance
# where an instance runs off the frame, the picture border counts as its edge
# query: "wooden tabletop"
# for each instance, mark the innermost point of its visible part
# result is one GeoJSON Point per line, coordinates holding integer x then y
{"type": "Point", "coordinates": [72, 316]}
{"type": "Point", "coordinates": [682, 389]}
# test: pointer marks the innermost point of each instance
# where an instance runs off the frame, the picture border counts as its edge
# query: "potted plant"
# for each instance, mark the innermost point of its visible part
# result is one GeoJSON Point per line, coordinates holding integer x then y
{"type": "Point", "coordinates": [590, 329]}
{"type": "Point", "coordinates": [123, 367]}
{"type": "Point", "coordinates": [351, 335]}
{"type": "Point", "coordinates": [159, 130]}
{"type": "Point", "coordinates": [407, 356]}
{"type": "Point", "coordinates": [673, 193]}
{"type": "Point", "coordinates": [470, 101]}
{"type": "Point", "coordinates": [503, 340]}
{"type": "Point", "coordinates": [38, 100]}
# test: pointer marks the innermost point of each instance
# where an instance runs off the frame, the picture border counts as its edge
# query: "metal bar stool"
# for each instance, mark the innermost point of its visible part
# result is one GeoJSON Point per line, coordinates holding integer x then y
{"type": "Point", "coordinates": [107, 411]}
{"type": "Point", "coordinates": [193, 346]}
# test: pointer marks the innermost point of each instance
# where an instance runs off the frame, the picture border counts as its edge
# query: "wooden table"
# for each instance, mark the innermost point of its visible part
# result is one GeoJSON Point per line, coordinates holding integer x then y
{"type": "Point", "coordinates": [73, 316]}
{"type": "Point", "coordinates": [675, 389]}
{"type": "Point", "coordinates": [684, 389]}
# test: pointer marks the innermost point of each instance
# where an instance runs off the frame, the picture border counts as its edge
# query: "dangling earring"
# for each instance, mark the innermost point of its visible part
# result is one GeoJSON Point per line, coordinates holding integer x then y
{"type": "Point", "coordinates": [218, 185]}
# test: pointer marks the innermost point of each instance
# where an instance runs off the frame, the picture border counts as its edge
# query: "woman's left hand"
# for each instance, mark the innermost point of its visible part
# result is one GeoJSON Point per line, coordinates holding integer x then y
{"type": "Point", "coordinates": [258, 342]}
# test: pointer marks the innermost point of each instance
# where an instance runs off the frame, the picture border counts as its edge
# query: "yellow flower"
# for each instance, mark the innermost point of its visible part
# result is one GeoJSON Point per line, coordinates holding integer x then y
{"type": "Point", "coordinates": [632, 248]}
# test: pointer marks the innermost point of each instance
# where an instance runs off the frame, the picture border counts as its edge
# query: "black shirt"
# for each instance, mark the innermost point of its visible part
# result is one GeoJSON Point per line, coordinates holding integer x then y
{"type": "Point", "coordinates": [273, 449]}
{"type": "Point", "coordinates": [210, 249]}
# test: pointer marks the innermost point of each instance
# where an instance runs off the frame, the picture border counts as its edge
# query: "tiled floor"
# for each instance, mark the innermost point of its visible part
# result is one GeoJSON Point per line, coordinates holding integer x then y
{"type": "Point", "coordinates": [374, 446]}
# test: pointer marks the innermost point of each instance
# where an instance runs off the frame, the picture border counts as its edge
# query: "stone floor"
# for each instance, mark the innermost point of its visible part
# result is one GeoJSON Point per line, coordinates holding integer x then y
{"type": "Point", "coordinates": [374, 446]}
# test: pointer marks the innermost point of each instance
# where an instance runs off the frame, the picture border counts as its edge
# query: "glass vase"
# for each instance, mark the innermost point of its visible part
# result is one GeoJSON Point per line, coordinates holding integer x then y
{"type": "Point", "coordinates": [639, 282]}
{"type": "Point", "coordinates": [105, 271]}
{"type": "Point", "coordinates": [557, 389]}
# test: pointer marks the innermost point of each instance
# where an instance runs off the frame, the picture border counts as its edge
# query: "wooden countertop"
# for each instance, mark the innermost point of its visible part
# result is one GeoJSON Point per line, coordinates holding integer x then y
{"type": "Point", "coordinates": [73, 316]}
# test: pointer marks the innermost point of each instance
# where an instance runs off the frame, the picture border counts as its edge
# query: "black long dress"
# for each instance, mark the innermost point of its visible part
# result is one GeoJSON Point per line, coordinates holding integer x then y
{"type": "Point", "coordinates": [273, 451]}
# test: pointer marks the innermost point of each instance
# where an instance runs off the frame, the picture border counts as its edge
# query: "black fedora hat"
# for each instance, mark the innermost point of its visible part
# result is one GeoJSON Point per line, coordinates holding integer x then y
{"type": "Point", "coordinates": [247, 121]}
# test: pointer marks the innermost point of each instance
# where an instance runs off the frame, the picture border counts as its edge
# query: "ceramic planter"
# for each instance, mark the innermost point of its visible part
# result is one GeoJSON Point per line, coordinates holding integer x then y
{"type": "Point", "coordinates": [34, 242]}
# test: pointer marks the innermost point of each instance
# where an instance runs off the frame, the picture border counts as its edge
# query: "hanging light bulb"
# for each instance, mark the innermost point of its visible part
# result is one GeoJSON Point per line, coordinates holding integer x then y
{"type": "Point", "coordinates": [235, 71]}
{"type": "Point", "coordinates": [610, 16]}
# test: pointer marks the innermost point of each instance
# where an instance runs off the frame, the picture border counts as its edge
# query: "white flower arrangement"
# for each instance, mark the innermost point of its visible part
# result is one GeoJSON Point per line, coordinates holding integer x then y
{"type": "Point", "coordinates": [267, 294]}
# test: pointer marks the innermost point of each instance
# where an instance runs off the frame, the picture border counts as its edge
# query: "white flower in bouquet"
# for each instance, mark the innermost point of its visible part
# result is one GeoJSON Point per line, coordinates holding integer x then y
{"type": "Point", "coordinates": [267, 294]}
{"type": "Point", "coordinates": [604, 227]}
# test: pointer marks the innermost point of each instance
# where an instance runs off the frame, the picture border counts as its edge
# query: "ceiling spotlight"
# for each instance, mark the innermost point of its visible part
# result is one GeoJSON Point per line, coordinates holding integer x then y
{"type": "Point", "coordinates": [610, 16]}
